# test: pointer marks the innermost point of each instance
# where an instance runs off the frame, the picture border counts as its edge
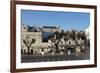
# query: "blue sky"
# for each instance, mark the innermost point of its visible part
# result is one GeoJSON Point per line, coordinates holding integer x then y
{"type": "Point", "coordinates": [64, 20]}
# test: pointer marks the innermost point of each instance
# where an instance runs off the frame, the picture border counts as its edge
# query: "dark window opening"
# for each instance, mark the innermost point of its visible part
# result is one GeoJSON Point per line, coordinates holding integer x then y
{"type": "Point", "coordinates": [46, 35]}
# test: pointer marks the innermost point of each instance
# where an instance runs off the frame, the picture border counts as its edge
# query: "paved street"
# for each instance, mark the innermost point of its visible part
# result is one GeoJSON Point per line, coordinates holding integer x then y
{"type": "Point", "coordinates": [45, 58]}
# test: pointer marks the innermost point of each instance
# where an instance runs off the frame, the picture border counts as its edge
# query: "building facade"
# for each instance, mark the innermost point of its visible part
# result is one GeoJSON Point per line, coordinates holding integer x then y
{"type": "Point", "coordinates": [54, 44]}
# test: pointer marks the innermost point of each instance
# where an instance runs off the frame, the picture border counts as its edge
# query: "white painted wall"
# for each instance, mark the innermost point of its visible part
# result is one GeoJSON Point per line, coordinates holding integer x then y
{"type": "Point", "coordinates": [5, 36]}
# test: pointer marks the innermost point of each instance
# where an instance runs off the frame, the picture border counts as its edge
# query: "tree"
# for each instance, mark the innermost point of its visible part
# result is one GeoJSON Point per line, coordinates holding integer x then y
{"type": "Point", "coordinates": [56, 40]}
{"type": "Point", "coordinates": [73, 34]}
{"type": "Point", "coordinates": [28, 42]}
